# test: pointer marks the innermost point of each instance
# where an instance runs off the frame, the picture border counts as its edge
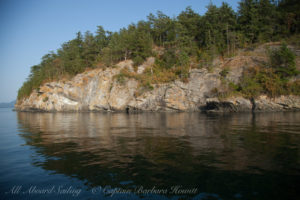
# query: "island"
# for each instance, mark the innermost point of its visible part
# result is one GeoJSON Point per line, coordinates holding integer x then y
{"type": "Point", "coordinates": [222, 61]}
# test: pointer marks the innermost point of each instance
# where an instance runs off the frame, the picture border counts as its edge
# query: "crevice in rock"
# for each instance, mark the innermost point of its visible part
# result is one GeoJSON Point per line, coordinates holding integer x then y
{"type": "Point", "coordinates": [108, 97]}
{"type": "Point", "coordinates": [214, 106]}
{"type": "Point", "coordinates": [50, 86]}
{"type": "Point", "coordinates": [182, 88]}
{"type": "Point", "coordinates": [68, 97]}
{"type": "Point", "coordinates": [163, 100]}
{"type": "Point", "coordinates": [252, 100]}
{"type": "Point", "coordinates": [172, 108]}
{"type": "Point", "coordinates": [285, 106]}
{"type": "Point", "coordinates": [100, 108]}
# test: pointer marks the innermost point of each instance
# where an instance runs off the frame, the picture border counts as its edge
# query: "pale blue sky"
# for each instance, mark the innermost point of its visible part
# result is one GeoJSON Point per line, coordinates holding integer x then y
{"type": "Point", "coordinates": [31, 28]}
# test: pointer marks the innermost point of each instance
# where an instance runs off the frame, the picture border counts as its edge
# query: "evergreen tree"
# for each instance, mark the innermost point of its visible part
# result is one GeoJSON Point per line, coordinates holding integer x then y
{"type": "Point", "coordinates": [283, 61]}
{"type": "Point", "coordinates": [248, 20]}
{"type": "Point", "coordinates": [290, 15]}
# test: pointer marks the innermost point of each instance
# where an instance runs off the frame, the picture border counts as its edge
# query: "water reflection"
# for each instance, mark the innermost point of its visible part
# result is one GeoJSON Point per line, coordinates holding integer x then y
{"type": "Point", "coordinates": [254, 156]}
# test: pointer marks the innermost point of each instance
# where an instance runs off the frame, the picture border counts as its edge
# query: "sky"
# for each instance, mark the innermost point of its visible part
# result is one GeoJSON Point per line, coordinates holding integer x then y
{"type": "Point", "coordinates": [30, 29]}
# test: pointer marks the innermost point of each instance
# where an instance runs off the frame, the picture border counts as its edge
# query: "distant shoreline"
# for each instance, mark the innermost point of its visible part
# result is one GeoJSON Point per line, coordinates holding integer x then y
{"type": "Point", "coordinates": [8, 104]}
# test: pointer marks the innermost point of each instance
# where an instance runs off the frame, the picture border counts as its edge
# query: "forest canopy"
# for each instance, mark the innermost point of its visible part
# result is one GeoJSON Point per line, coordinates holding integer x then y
{"type": "Point", "coordinates": [185, 38]}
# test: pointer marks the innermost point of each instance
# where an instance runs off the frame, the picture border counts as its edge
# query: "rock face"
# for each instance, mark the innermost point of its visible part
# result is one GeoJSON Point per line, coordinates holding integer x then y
{"type": "Point", "coordinates": [98, 90]}
{"type": "Point", "coordinates": [262, 103]}
{"type": "Point", "coordinates": [233, 104]}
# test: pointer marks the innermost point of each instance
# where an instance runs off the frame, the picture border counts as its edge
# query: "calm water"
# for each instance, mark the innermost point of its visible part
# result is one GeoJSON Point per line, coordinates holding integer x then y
{"type": "Point", "coordinates": [149, 156]}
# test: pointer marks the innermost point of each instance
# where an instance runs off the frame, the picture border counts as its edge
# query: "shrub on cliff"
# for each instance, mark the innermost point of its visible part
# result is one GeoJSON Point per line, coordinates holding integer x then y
{"type": "Point", "coordinates": [272, 79]}
{"type": "Point", "coordinates": [282, 60]}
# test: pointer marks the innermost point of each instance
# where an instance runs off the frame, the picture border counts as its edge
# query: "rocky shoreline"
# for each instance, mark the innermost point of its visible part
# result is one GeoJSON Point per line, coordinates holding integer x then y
{"type": "Point", "coordinates": [98, 90]}
{"type": "Point", "coordinates": [260, 104]}
{"type": "Point", "coordinates": [213, 105]}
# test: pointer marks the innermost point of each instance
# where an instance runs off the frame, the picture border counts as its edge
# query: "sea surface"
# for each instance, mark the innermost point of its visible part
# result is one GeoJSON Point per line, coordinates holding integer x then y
{"type": "Point", "coordinates": [149, 156]}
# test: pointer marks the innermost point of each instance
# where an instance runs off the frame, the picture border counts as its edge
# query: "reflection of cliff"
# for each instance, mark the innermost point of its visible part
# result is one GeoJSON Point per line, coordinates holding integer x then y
{"type": "Point", "coordinates": [163, 148]}
{"type": "Point", "coordinates": [102, 147]}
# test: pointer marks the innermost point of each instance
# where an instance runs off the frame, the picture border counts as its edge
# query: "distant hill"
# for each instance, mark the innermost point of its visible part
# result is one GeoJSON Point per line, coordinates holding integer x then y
{"type": "Point", "coordinates": [8, 105]}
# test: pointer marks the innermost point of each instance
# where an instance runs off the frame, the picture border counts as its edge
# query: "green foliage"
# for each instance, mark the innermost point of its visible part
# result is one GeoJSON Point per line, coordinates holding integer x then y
{"type": "Point", "coordinates": [167, 60]}
{"type": "Point", "coordinates": [289, 11]}
{"type": "Point", "coordinates": [294, 87]}
{"type": "Point", "coordinates": [45, 99]}
{"type": "Point", "coordinates": [183, 59]}
{"type": "Point", "coordinates": [138, 60]}
{"type": "Point", "coordinates": [250, 87]}
{"type": "Point", "coordinates": [120, 78]}
{"type": "Point", "coordinates": [258, 20]}
{"type": "Point", "coordinates": [261, 80]}
{"type": "Point", "coordinates": [219, 24]}
{"type": "Point", "coordinates": [205, 58]}
{"type": "Point", "coordinates": [272, 80]}
{"type": "Point", "coordinates": [162, 28]}
{"type": "Point", "coordinates": [144, 86]}
{"type": "Point", "coordinates": [224, 72]}
{"type": "Point", "coordinates": [282, 60]}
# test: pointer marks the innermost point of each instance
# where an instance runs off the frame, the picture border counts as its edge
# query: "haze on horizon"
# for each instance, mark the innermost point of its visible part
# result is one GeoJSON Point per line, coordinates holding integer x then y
{"type": "Point", "coordinates": [30, 29]}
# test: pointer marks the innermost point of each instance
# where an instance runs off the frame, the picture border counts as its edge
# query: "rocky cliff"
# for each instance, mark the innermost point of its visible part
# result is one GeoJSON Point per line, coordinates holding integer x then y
{"type": "Point", "coordinates": [98, 90]}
